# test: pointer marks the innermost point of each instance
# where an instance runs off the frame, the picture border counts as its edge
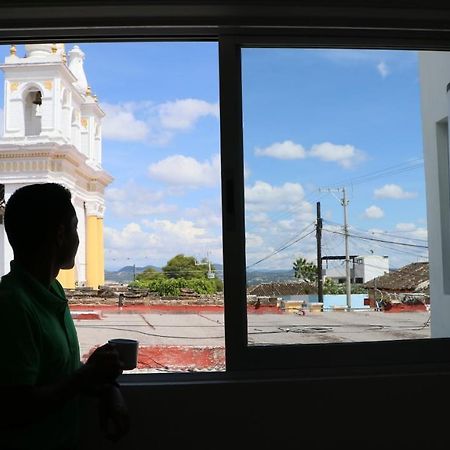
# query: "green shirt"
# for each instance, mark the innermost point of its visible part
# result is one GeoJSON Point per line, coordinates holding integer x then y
{"type": "Point", "coordinates": [38, 346]}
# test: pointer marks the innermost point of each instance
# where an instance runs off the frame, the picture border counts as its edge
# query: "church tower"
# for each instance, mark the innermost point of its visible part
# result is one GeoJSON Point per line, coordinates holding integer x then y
{"type": "Point", "coordinates": [52, 133]}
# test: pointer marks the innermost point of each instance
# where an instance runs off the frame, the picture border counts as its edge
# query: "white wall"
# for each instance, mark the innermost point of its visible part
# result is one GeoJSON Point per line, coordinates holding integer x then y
{"type": "Point", "coordinates": [6, 252]}
{"type": "Point", "coordinates": [434, 68]}
{"type": "Point", "coordinates": [372, 266]}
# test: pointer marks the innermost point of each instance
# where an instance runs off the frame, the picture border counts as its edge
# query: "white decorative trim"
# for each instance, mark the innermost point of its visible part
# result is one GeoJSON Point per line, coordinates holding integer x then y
{"type": "Point", "coordinates": [94, 208]}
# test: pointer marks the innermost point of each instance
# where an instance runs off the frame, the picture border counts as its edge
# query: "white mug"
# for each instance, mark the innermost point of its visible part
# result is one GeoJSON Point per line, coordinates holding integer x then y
{"type": "Point", "coordinates": [128, 351]}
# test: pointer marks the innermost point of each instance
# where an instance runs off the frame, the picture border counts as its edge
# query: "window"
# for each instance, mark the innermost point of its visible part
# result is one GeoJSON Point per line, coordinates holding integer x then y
{"type": "Point", "coordinates": [271, 103]}
{"type": "Point", "coordinates": [239, 354]}
{"type": "Point", "coordinates": [139, 150]}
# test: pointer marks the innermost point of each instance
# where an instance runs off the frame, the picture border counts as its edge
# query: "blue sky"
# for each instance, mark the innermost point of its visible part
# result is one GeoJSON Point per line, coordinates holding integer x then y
{"type": "Point", "coordinates": [312, 119]}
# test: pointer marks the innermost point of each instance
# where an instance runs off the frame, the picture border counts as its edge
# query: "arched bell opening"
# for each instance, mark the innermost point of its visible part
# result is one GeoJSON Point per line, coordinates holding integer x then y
{"type": "Point", "coordinates": [33, 113]}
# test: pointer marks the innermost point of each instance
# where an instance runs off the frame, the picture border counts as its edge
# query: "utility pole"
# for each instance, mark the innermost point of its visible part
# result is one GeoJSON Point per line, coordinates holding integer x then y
{"type": "Point", "coordinates": [210, 273]}
{"type": "Point", "coordinates": [348, 289]}
{"type": "Point", "coordinates": [344, 202]}
{"type": "Point", "coordinates": [319, 254]}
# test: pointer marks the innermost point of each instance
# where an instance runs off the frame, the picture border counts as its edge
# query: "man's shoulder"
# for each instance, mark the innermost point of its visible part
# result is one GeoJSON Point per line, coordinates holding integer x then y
{"type": "Point", "coordinates": [12, 292]}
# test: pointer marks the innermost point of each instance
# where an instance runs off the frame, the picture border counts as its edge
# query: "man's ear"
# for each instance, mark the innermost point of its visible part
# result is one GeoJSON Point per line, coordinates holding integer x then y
{"type": "Point", "coordinates": [60, 234]}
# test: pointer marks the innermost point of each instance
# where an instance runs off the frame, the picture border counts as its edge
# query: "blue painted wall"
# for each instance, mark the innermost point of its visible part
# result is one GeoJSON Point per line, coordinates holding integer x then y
{"type": "Point", "coordinates": [330, 300]}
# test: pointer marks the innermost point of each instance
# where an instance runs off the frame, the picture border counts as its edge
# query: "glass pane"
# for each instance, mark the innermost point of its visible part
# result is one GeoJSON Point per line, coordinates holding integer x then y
{"type": "Point", "coordinates": [141, 122]}
{"type": "Point", "coordinates": [339, 131]}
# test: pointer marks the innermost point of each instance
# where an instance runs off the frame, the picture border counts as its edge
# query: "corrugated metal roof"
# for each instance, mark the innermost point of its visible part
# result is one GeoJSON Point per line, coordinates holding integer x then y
{"type": "Point", "coordinates": [413, 277]}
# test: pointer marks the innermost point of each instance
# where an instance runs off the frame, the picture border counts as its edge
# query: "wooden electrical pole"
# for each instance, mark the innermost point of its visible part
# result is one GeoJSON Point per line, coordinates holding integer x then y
{"type": "Point", "coordinates": [319, 225]}
{"type": "Point", "coordinates": [344, 202]}
{"type": "Point", "coordinates": [348, 288]}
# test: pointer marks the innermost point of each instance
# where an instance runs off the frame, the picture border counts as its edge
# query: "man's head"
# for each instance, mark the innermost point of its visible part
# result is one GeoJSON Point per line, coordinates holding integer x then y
{"type": "Point", "coordinates": [40, 219]}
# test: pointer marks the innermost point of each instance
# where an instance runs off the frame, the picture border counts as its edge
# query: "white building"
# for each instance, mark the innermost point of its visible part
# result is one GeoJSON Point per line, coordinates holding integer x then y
{"type": "Point", "coordinates": [52, 133]}
{"type": "Point", "coordinates": [368, 267]}
{"type": "Point", "coordinates": [363, 268]}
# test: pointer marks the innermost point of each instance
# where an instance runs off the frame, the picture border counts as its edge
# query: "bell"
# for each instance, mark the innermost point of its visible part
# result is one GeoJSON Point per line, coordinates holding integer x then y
{"type": "Point", "coordinates": [37, 98]}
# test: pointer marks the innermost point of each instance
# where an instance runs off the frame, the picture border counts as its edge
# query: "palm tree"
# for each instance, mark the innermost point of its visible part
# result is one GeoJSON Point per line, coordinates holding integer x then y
{"type": "Point", "coordinates": [304, 270]}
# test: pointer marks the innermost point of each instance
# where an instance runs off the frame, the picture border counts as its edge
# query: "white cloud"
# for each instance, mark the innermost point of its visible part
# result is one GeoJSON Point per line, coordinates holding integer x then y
{"type": "Point", "coordinates": [346, 156]}
{"type": "Point", "coordinates": [156, 241]}
{"type": "Point", "coordinates": [129, 239]}
{"type": "Point", "coordinates": [389, 60]}
{"type": "Point", "coordinates": [405, 227]}
{"type": "Point", "coordinates": [183, 230]}
{"type": "Point", "coordinates": [207, 214]}
{"type": "Point", "coordinates": [410, 230]}
{"type": "Point", "coordinates": [253, 240]}
{"type": "Point", "coordinates": [187, 171]}
{"type": "Point", "coordinates": [132, 200]}
{"type": "Point", "coordinates": [259, 218]}
{"type": "Point", "coordinates": [146, 121]}
{"type": "Point", "coordinates": [373, 212]}
{"type": "Point", "coordinates": [121, 124]}
{"type": "Point", "coordinates": [282, 150]}
{"type": "Point", "coordinates": [182, 114]}
{"type": "Point", "coordinates": [419, 233]}
{"type": "Point", "coordinates": [263, 196]}
{"type": "Point", "coordinates": [393, 191]}
{"type": "Point", "coordinates": [383, 69]}
{"type": "Point", "coordinates": [260, 246]}
{"type": "Point", "coordinates": [288, 224]}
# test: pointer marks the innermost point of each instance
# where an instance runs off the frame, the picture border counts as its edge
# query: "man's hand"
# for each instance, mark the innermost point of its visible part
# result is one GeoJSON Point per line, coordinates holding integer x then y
{"type": "Point", "coordinates": [102, 367]}
{"type": "Point", "coordinates": [113, 414]}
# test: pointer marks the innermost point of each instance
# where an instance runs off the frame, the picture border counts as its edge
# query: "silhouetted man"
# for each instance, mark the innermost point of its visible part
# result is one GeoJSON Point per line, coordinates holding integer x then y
{"type": "Point", "coordinates": [41, 376]}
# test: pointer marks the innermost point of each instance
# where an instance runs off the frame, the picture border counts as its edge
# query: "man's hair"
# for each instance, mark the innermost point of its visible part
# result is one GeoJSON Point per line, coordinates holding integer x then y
{"type": "Point", "coordinates": [33, 213]}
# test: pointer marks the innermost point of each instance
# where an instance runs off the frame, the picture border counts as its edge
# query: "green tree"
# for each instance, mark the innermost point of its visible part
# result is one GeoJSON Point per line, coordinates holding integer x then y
{"type": "Point", "coordinates": [305, 270]}
{"type": "Point", "coordinates": [172, 286]}
{"type": "Point", "coordinates": [149, 274]}
{"type": "Point", "coordinates": [181, 266]}
{"type": "Point", "coordinates": [331, 287]}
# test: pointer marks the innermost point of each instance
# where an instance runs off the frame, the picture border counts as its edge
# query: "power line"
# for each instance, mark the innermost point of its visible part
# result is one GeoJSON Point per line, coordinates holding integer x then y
{"type": "Point", "coordinates": [357, 244]}
{"type": "Point", "coordinates": [288, 241]}
{"type": "Point", "coordinates": [391, 170]}
{"type": "Point", "coordinates": [398, 168]}
{"type": "Point", "coordinates": [379, 240]}
{"type": "Point", "coordinates": [383, 233]}
{"type": "Point", "coordinates": [291, 209]}
{"type": "Point", "coordinates": [283, 248]}
{"type": "Point", "coordinates": [401, 251]}
{"type": "Point", "coordinates": [419, 254]}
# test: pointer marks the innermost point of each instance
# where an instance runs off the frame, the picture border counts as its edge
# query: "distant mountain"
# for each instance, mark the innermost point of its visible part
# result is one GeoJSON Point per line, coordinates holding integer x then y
{"type": "Point", "coordinates": [126, 274]}
{"type": "Point", "coordinates": [219, 270]}
{"type": "Point", "coordinates": [255, 277]}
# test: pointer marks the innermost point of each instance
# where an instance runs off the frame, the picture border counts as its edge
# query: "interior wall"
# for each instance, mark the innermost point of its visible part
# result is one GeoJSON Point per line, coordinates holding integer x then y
{"type": "Point", "coordinates": [377, 412]}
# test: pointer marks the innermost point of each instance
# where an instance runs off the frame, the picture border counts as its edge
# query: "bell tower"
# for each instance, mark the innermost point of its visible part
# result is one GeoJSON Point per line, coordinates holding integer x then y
{"type": "Point", "coordinates": [52, 133]}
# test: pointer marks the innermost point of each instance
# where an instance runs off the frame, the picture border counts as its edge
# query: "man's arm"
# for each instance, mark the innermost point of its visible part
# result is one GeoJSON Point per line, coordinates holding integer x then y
{"type": "Point", "coordinates": [113, 413]}
{"type": "Point", "coordinates": [24, 404]}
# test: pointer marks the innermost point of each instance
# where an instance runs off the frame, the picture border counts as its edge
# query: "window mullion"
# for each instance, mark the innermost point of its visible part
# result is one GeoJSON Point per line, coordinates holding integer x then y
{"type": "Point", "coordinates": [232, 201]}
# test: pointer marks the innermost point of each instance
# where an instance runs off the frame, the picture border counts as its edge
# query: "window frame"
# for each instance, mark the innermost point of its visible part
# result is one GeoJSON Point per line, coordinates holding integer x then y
{"type": "Point", "coordinates": [327, 356]}
{"type": "Point", "coordinates": [310, 359]}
